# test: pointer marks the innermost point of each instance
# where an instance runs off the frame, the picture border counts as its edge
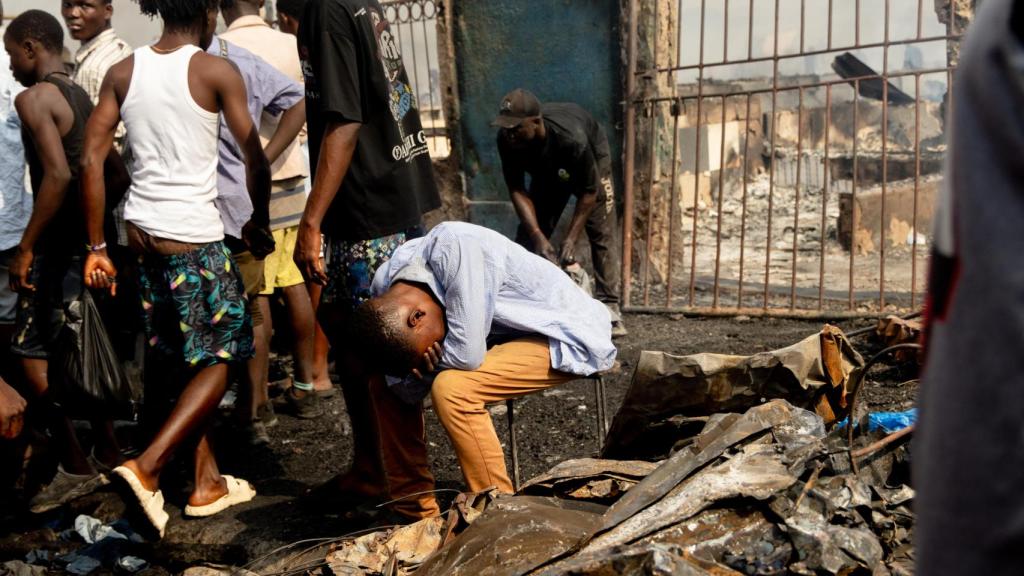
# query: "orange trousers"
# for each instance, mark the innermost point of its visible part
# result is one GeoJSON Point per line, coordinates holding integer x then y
{"type": "Point", "coordinates": [509, 370]}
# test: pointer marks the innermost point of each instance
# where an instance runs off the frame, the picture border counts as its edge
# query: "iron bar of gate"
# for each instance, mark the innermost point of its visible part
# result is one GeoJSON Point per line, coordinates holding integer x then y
{"type": "Point", "coordinates": [917, 186]}
{"type": "Point", "coordinates": [803, 10]}
{"type": "Point", "coordinates": [430, 67]}
{"type": "Point", "coordinates": [721, 195]}
{"type": "Point", "coordinates": [750, 32]}
{"type": "Point", "coordinates": [696, 164]}
{"type": "Point", "coordinates": [629, 164]}
{"type": "Point", "coordinates": [771, 157]}
{"type": "Point", "coordinates": [856, 26]}
{"type": "Point", "coordinates": [796, 199]}
{"type": "Point", "coordinates": [824, 197]}
{"type": "Point", "coordinates": [806, 85]}
{"type": "Point", "coordinates": [743, 217]}
{"type": "Point", "coordinates": [754, 312]}
{"type": "Point", "coordinates": [853, 192]}
{"type": "Point", "coordinates": [676, 111]}
{"type": "Point", "coordinates": [829, 24]}
{"type": "Point", "coordinates": [650, 209]}
{"type": "Point", "coordinates": [885, 164]}
{"type": "Point", "coordinates": [819, 52]}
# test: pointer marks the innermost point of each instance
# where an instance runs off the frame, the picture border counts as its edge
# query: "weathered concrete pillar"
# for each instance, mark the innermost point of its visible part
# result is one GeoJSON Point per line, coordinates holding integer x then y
{"type": "Point", "coordinates": [447, 171]}
{"type": "Point", "coordinates": [658, 25]}
{"type": "Point", "coordinates": [956, 15]}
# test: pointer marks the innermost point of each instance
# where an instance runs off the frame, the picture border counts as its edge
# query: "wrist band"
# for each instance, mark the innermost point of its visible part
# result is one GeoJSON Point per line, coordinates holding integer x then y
{"type": "Point", "coordinates": [95, 247]}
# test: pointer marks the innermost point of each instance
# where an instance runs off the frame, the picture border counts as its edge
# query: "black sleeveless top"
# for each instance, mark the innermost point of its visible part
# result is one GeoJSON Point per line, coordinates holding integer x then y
{"type": "Point", "coordinates": [66, 231]}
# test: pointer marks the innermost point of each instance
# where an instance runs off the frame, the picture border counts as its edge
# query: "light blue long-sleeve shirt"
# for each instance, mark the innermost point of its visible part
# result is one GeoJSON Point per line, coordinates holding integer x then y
{"type": "Point", "coordinates": [15, 196]}
{"type": "Point", "coordinates": [494, 289]}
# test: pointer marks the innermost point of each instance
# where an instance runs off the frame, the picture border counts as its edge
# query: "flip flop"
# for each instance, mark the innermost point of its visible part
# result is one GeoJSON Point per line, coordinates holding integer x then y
{"type": "Point", "coordinates": [151, 501]}
{"type": "Point", "coordinates": [239, 491]}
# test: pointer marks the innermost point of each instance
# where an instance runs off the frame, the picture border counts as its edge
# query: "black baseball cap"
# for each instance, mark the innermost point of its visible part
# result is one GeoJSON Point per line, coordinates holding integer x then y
{"type": "Point", "coordinates": [516, 106]}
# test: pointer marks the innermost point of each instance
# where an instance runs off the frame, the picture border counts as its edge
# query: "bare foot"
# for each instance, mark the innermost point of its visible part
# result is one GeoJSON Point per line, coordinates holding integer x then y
{"type": "Point", "coordinates": [149, 482]}
{"type": "Point", "coordinates": [208, 492]}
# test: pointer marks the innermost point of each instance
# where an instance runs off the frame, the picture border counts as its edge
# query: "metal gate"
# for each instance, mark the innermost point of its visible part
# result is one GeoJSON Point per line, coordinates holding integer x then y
{"type": "Point", "coordinates": [414, 24]}
{"type": "Point", "coordinates": [782, 156]}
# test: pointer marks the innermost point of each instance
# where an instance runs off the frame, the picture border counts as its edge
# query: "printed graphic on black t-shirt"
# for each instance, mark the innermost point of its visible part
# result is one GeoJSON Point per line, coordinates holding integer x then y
{"type": "Point", "coordinates": [354, 73]}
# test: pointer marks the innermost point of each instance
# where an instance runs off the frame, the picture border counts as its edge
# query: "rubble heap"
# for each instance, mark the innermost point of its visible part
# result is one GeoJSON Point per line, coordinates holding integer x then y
{"type": "Point", "coordinates": [763, 492]}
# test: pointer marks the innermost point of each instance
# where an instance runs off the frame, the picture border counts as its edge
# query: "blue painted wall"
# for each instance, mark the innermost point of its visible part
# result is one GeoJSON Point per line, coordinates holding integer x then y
{"type": "Point", "coordinates": [561, 50]}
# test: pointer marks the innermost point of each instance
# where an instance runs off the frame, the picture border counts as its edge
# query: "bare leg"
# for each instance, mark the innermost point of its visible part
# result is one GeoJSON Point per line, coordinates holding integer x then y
{"type": "Point", "coordinates": [300, 315]}
{"type": "Point", "coordinates": [321, 378]}
{"type": "Point", "coordinates": [105, 445]}
{"type": "Point", "coordinates": [253, 388]}
{"type": "Point", "coordinates": [191, 414]}
{"type": "Point", "coordinates": [72, 458]}
{"type": "Point", "coordinates": [209, 484]}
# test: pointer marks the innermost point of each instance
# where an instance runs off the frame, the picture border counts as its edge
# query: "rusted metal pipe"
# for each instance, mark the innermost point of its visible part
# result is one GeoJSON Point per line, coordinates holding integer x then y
{"type": "Point", "coordinates": [705, 311]}
{"type": "Point", "coordinates": [878, 445]}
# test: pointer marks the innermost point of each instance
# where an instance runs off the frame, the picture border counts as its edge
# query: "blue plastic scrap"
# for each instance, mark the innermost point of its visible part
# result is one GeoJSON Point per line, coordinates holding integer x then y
{"type": "Point", "coordinates": [890, 422]}
{"type": "Point", "coordinates": [887, 422]}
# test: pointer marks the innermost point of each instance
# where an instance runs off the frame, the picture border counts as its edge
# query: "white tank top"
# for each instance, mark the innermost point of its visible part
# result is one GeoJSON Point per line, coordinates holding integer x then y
{"type": "Point", "coordinates": [174, 151]}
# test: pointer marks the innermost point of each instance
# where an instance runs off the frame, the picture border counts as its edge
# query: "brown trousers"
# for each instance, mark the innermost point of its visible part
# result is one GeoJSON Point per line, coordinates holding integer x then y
{"type": "Point", "coordinates": [509, 370]}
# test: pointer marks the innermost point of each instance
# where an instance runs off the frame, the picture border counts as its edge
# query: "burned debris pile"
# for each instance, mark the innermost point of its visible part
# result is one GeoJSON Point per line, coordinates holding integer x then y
{"type": "Point", "coordinates": [766, 483]}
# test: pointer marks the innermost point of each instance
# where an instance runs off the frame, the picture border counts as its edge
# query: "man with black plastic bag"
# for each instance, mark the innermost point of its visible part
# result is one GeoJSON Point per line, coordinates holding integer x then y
{"type": "Point", "coordinates": [45, 270]}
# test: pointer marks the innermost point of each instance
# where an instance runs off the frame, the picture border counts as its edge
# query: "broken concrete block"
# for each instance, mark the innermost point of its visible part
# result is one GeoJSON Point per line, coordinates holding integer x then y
{"type": "Point", "coordinates": [860, 224]}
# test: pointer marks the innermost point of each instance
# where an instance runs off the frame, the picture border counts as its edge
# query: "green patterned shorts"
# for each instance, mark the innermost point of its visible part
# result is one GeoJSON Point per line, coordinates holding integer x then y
{"type": "Point", "coordinates": [194, 305]}
{"type": "Point", "coordinates": [351, 265]}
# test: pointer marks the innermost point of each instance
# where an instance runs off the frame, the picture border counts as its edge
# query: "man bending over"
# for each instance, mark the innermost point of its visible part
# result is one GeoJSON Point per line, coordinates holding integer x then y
{"type": "Point", "coordinates": [495, 322]}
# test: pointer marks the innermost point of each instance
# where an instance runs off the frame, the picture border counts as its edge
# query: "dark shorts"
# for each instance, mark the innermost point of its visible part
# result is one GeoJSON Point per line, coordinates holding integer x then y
{"type": "Point", "coordinates": [40, 315]}
{"type": "Point", "coordinates": [194, 306]}
{"type": "Point", "coordinates": [351, 265]}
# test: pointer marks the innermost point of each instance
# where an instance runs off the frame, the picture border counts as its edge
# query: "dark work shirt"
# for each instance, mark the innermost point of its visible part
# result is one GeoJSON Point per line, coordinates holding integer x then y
{"type": "Point", "coordinates": [66, 231]}
{"type": "Point", "coordinates": [567, 159]}
{"type": "Point", "coordinates": [354, 73]}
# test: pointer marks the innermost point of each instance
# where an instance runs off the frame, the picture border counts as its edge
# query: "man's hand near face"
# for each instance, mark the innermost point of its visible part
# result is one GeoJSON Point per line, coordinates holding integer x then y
{"type": "Point", "coordinates": [431, 359]}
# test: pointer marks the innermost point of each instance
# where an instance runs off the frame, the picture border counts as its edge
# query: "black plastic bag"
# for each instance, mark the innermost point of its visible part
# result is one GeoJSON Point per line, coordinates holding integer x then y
{"type": "Point", "coordinates": [91, 369]}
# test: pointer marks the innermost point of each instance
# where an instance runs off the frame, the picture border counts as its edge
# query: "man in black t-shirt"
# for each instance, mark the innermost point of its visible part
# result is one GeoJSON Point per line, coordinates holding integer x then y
{"type": "Point", "coordinates": [565, 152]}
{"type": "Point", "coordinates": [372, 183]}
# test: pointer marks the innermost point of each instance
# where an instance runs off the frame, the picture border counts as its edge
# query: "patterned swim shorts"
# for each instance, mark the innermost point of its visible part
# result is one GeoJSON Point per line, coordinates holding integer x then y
{"type": "Point", "coordinates": [194, 306]}
{"type": "Point", "coordinates": [352, 264]}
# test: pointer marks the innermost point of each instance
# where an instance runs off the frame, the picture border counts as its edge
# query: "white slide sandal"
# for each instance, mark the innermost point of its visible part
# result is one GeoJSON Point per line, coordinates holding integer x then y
{"type": "Point", "coordinates": [239, 491]}
{"type": "Point", "coordinates": [151, 502]}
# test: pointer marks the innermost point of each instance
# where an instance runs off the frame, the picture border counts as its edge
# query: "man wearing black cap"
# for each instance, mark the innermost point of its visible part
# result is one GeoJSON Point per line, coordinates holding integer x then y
{"type": "Point", "coordinates": [565, 152]}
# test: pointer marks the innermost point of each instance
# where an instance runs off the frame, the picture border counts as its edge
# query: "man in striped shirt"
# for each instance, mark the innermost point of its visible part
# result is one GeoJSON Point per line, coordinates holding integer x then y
{"type": "Point", "coordinates": [88, 21]}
